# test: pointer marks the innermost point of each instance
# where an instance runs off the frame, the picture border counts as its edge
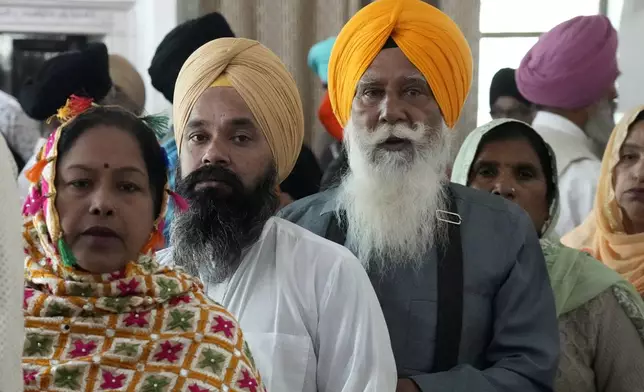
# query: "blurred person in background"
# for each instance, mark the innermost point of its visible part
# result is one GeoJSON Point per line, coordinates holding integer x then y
{"type": "Point", "coordinates": [570, 75]}
{"type": "Point", "coordinates": [505, 99]}
{"type": "Point", "coordinates": [614, 230]}
{"type": "Point", "coordinates": [20, 132]}
{"type": "Point", "coordinates": [11, 276]}
{"type": "Point", "coordinates": [601, 315]}
{"type": "Point", "coordinates": [86, 73]}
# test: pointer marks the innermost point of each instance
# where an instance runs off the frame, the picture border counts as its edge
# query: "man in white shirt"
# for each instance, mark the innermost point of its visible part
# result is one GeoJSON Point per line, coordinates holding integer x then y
{"type": "Point", "coordinates": [20, 132]}
{"type": "Point", "coordinates": [570, 75]}
{"type": "Point", "coordinates": [306, 305]}
{"type": "Point", "coordinates": [11, 271]}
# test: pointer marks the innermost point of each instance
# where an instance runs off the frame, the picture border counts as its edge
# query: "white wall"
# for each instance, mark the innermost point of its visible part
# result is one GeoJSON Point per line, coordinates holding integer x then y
{"type": "Point", "coordinates": [153, 20]}
{"type": "Point", "coordinates": [131, 28]}
{"type": "Point", "coordinates": [630, 84]}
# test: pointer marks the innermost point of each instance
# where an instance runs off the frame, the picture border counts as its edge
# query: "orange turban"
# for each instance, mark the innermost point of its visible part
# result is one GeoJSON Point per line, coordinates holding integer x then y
{"type": "Point", "coordinates": [262, 81]}
{"type": "Point", "coordinates": [429, 39]}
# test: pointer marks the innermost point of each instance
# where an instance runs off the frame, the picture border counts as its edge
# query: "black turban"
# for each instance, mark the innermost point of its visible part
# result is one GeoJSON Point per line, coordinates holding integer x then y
{"type": "Point", "coordinates": [305, 178]}
{"type": "Point", "coordinates": [179, 44]}
{"type": "Point", "coordinates": [84, 73]}
{"type": "Point", "coordinates": [504, 85]}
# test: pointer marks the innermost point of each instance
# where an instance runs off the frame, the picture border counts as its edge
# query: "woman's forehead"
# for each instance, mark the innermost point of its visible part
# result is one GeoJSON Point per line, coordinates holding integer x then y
{"type": "Point", "coordinates": [513, 149]}
{"type": "Point", "coordinates": [104, 145]}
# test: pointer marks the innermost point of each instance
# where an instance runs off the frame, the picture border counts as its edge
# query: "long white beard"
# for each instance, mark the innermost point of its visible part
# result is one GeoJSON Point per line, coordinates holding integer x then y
{"type": "Point", "coordinates": [391, 197]}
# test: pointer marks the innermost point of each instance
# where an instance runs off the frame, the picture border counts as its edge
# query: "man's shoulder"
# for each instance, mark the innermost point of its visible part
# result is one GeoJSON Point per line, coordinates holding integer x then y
{"type": "Point", "coordinates": [307, 212]}
{"type": "Point", "coordinates": [483, 210]}
{"type": "Point", "coordinates": [309, 205]}
{"type": "Point", "coordinates": [300, 242]}
{"type": "Point", "coordinates": [478, 200]}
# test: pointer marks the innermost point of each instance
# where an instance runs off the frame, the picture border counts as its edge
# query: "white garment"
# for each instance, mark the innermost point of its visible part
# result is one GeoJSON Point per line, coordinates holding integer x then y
{"type": "Point", "coordinates": [20, 131]}
{"type": "Point", "coordinates": [23, 183]}
{"type": "Point", "coordinates": [309, 314]}
{"type": "Point", "coordinates": [577, 165]}
{"type": "Point", "coordinates": [11, 277]}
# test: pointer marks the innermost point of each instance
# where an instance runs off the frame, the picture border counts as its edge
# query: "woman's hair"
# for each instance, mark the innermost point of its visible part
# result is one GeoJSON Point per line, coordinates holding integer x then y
{"type": "Point", "coordinates": [639, 118]}
{"type": "Point", "coordinates": [520, 131]}
{"type": "Point", "coordinates": [153, 154]}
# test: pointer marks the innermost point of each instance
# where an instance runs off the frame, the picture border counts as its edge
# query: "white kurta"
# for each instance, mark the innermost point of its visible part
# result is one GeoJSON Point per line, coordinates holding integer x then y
{"type": "Point", "coordinates": [11, 277]}
{"type": "Point", "coordinates": [578, 168]}
{"type": "Point", "coordinates": [309, 314]}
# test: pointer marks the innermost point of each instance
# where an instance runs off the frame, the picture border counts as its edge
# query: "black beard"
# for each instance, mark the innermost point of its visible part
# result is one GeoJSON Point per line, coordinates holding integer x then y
{"type": "Point", "coordinates": [210, 237]}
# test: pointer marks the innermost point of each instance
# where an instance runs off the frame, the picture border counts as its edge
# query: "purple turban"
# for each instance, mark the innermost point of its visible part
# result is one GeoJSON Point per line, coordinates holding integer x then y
{"type": "Point", "coordinates": [572, 66]}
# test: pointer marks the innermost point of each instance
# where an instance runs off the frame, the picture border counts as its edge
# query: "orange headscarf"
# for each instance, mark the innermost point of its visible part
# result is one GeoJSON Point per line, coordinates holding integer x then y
{"type": "Point", "coordinates": [602, 233]}
{"type": "Point", "coordinates": [429, 39]}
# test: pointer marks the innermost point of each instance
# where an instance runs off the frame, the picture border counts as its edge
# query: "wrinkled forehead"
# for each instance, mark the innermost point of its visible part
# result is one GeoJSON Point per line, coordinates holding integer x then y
{"type": "Point", "coordinates": [391, 65]}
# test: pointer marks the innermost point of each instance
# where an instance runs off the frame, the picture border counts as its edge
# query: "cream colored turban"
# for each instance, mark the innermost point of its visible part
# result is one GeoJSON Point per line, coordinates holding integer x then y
{"type": "Point", "coordinates": [126, 77]}
{"type": "Point", "coordinates": [263, 82]}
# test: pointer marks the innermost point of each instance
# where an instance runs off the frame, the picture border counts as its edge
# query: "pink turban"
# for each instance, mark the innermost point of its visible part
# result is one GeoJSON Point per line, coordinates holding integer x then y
{"type": "Point", "coordinates": [572, 66]}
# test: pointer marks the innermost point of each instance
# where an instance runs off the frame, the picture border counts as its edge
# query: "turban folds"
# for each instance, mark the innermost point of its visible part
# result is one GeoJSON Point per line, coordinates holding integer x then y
{"type": "Point", "coordinates": [263, 82]}
{"type": "Point", "coordinates": [572, 66]}
{"type": "Point", "coordinates": [429, 39]}
{"type": "Point", "coordinates": [504, 85]}
{"type": "Point", "coordinates": [127, 78]}
{"type": "Point", "coordinates": [179, 44]}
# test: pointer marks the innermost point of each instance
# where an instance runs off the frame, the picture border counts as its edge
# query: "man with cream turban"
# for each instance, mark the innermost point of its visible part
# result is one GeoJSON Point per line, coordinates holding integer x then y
{"type": "Point", "coordinates": [459, 274]}
{"type": "Point", "coordinates": [306, 305]}
{"type": "Point", "coordinates": [570, 75]}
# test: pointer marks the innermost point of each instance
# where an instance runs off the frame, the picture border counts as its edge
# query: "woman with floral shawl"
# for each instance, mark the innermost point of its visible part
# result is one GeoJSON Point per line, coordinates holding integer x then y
{"type": "Point", "coordinates": [614, 231]}
{"type": "Point", "coordinates": [601, 316]}
{"type": "Point", "coordinates": [100, 313]}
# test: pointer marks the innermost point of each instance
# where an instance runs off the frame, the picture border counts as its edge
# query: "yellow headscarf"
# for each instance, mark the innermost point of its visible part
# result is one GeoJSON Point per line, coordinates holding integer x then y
{"type": "Point", "coordinates": [429, 39]}
{"type": "Point", "coordinates": [602, 233]}
{"type": "Point", "coordinates": [263, 82]}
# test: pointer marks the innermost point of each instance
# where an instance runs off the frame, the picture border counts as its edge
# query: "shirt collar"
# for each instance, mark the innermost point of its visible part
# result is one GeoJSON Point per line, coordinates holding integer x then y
{"type": "Point", "coordinates": [556, 122]}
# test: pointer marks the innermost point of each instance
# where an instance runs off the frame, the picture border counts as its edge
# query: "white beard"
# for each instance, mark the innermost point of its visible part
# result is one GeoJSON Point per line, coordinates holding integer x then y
{"type": "Point", "coordinates": [391, 197]}
{"type": "Point", "coordinates": [599, 126]}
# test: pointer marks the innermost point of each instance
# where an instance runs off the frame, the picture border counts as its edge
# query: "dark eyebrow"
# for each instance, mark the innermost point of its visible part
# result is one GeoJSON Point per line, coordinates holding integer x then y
{"type": "Point", "coordinates": [197, 123]}
{"type": "Point", "coordinates": [123, 169]}
{"type": "Point", "coordinates": [527, 165]}
{"type": "Point", "coordinates": [631, 146]}
{"type": "Point", "coordinates": [485, 163]}
{"type": "Point", "coordinates": [240, 122]}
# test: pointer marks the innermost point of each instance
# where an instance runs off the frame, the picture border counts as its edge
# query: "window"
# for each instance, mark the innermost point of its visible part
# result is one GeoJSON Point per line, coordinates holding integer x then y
{"type": "Point", "coordinates": [509, 28]}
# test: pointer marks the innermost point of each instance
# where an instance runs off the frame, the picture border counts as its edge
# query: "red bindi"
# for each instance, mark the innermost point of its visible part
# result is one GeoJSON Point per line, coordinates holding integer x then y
{"type": "Point", "coordinates": [105, 165]}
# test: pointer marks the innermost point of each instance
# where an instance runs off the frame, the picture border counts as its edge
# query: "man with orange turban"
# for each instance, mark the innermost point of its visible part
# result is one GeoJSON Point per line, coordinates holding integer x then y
{"type": "Point", "coordinates": [460, 274]}
{"type": "Point", "coordinates": [305, 304]}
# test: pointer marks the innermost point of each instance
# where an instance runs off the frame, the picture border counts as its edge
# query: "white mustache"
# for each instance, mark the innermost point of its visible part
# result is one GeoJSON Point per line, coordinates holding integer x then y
{"type": "Point", "coordinates": [383, 132]}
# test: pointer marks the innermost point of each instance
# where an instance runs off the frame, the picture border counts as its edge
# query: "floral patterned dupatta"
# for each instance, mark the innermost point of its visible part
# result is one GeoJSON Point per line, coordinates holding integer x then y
{"type": "Point", "coordinates": [145, 328]}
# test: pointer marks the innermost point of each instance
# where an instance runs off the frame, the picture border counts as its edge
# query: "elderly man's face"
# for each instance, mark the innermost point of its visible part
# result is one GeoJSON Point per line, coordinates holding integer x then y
{"type": "Point", "coordinates": [222, 132]}
{"type": "Point", "coordinates": [393, 91]}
